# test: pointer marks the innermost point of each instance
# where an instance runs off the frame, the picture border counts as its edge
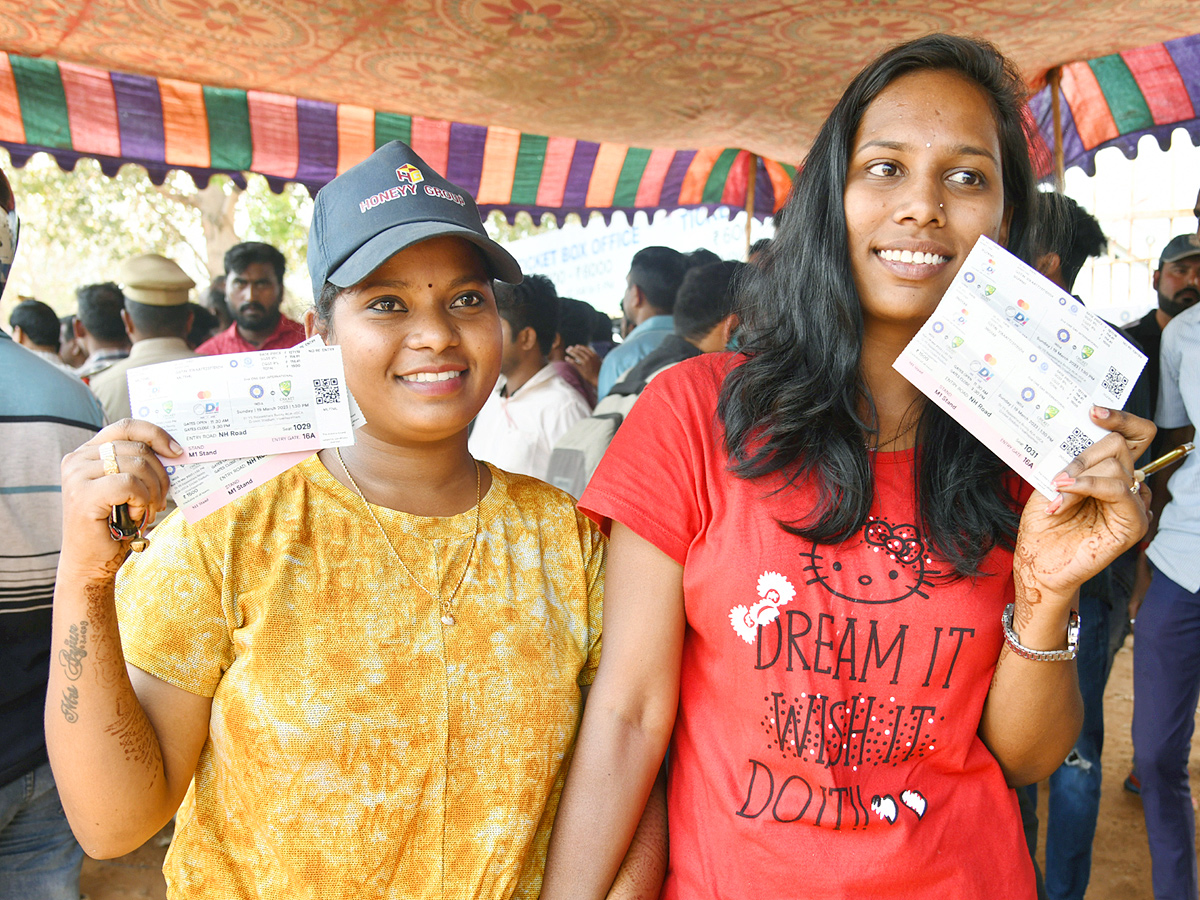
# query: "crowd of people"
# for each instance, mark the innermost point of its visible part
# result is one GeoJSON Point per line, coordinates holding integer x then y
{"type": "Point", "coordinates": [789, 631]}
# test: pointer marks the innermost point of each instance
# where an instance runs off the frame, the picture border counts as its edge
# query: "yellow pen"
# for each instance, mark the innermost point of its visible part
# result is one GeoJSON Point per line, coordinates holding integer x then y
{"type": "Point", "coordinates": [1139, 475]}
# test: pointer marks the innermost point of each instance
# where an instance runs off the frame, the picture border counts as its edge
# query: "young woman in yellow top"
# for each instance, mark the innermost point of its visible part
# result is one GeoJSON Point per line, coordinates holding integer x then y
{"type": "Point", "coordinates": [363, 678]}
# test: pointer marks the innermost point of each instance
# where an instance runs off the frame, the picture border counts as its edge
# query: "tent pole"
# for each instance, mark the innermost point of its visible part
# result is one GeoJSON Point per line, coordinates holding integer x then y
{"type": "Point", "coordinates": [1054, 76]}
{"type": "Point", "coordinates": [751, 184]}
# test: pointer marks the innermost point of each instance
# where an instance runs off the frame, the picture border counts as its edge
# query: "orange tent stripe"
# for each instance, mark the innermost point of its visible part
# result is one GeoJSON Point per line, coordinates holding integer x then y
{"type": "Point", "coordinates": [696, 178]}
{"type": "Point", "coordinates": [356, 135]}
{"type": "Point", "coordinates": [431, 141]}
{"type": "Point", "coordinates": [12, 126]}
{"type": "Point", "coordinates": [91, 109]}
{"type": "Point", "coordinates": [559, 152]}
{"type": "Point", "coordinates": [273, 134]}
{"type": "Point", "coordinates": [650, 190]}
{"type": "Point", "coordinates": [1093, 119]}
{"type": "Point", "coordinates": [1161, 84]}
{"type": "Point", "coordinates": [606, 172]}
{"type": "Point", "coordinates": [499, 165]}
{"type": "Point", "coordinates": [780, 182]}
{"type": "Point", "coordinates": [185, 123]}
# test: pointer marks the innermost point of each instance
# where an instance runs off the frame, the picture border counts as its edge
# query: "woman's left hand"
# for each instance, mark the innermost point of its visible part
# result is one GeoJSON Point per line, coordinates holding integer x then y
{"type": "Point", "coordinates": [1096, 516]}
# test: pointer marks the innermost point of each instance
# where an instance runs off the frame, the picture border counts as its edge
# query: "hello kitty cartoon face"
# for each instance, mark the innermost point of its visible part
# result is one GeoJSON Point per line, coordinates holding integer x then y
{"type": "Point", "coordinates": [886, 564]}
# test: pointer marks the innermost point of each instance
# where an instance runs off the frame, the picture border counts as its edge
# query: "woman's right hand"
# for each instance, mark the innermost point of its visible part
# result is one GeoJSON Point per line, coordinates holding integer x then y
{"type": "Point", "coordinates": [90, 493]}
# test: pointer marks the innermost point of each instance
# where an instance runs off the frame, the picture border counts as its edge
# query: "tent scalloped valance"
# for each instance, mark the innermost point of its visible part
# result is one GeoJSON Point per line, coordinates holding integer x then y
{"type": "Point", "coordinates": [72, 111]}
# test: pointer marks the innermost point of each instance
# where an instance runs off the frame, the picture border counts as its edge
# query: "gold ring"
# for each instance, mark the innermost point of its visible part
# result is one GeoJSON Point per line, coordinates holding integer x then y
{"type": "Point", "coordinates": [1136, 487]}
{"type": "Point", "coordinates": [108, 456]}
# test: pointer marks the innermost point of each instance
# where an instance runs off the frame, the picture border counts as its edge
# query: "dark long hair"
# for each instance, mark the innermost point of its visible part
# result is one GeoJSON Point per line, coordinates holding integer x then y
{"type": "Point", "coordinates": [795, 406]}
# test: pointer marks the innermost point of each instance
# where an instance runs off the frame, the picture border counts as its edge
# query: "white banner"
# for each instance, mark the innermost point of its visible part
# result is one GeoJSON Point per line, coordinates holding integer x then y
{"type": "Point", "coordinates": [590, 263]}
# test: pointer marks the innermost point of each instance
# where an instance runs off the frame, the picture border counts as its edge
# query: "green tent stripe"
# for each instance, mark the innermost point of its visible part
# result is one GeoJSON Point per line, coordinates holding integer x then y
{"type": "Point", "coordinates": [43, 102]}
{"type": "Point", "coordinates": [229, 142]}
{"type": "Point", "coordinates": [392, 127]}
{"type": "Point", "coordinates": [714, 188]}
{"type": "Point", "coordinates": [631, 176]}
{"type": "Point", "coordinates": [531, 156]}
{"type": "Point", "coordinates": [1125, 100]}
{"type": "Point", "coordinates": [790, 169]}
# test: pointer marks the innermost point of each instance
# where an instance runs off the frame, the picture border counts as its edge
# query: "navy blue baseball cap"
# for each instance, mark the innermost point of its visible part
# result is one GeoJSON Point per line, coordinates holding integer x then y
{"type": "Point", "coordinates": [389, 201]}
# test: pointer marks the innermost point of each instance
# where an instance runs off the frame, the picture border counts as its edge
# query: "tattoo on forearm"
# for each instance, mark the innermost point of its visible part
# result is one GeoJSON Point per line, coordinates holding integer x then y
{"type": "Point", "coordinates": [136, 737]}
{"type": "Point", "coordinates": [71, 656]}
{"type": "Point", "coordinates": [70, 702]}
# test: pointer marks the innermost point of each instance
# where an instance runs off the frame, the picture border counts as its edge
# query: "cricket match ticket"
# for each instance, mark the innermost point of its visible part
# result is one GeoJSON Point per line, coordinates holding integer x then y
{"type": "Point", "coordinates": [1019, 362]}
{"type": "Point", "coordinates": [247, 404]}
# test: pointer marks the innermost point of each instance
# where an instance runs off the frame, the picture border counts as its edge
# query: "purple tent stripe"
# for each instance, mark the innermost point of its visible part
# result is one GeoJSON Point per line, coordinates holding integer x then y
{"type": "Point", "coordinates": [764, 191]}
{"type": "Point", "coordinates": [139, 117]}
{"type": "Point", "coordinates": [1185, 52]}
{"type": "Point", "coordinates": [676, 172]}
{"type": "Point", "coordinates": [316, 127]}
{"type": "Point", "coordinates": [580, 174]}
{"type": "Point", "coordinates": [465, 166]}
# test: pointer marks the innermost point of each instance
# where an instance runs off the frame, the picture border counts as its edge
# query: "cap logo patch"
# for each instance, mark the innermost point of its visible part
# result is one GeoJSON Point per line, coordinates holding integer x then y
{"type": "Point", "coordinates": [409, 174]}
{"type": "Point", "coordinates": [443, 194]}
{"type": "Point", "coordinates": [1194, 239]}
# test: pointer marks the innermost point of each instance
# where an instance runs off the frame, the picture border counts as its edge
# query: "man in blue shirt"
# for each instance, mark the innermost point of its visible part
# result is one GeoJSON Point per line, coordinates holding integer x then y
{"type": "Point", "coordinates": [654, 276]}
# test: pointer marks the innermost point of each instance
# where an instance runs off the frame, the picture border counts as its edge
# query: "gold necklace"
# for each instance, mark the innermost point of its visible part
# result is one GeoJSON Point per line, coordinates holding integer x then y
{"type": "Point", "coordinates": [895, 437]}
{"type": "Point", "coordinates": [448, 603]}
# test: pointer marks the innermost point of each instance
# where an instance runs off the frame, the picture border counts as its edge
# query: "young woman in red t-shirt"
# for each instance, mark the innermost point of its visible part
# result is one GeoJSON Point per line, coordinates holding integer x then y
{"type": "Point", "coordinates": [809, 563]}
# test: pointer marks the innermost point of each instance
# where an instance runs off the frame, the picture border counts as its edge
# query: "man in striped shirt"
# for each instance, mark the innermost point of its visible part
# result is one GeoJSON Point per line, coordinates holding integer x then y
{"type": "Point", "coordinates": [44, 414]}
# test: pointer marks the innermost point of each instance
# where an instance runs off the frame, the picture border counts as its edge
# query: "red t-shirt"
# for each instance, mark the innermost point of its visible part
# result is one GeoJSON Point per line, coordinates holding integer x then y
{"type": "Point", "coordinates": [826, 739]}
{"type": "Point", "coordinates": [286, 334]}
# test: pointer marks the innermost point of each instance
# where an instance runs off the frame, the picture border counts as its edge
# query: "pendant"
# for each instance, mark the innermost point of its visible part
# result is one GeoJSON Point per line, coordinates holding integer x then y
{"type": "Point", "coordinates": [447, 619]}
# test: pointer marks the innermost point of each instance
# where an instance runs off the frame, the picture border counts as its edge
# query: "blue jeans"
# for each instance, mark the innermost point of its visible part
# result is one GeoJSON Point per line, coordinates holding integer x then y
{"type": "Point", "coordinates": [1166, 686]}
{"type": "Point", "coordinates": [1075, 785]}
{"type": "Point", "coordinates": [39, 856]}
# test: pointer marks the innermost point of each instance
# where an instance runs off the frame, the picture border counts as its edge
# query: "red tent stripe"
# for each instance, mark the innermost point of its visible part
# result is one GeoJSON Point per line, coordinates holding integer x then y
{"type": "Point", "coordinates": [737, 180]}
{"type": "Point", "coordinates": [12, 126]}
{"type": "Point", "coordinates": [91, 109]}
{"type": "Point", "coordinates": [606, 172]}
{"type": "Point", "coordinates": [431, 141]}
{"type": "Point", "coordinates": [185, 123]}
{"type": "Point", "coordinates": [356, 135]}
{"type": "Point", "coordinates": [1092, 116]}
{"type": "Point", "coordinates": [274, 134]}
{"type": "Point", "coordinates": [499, 165]}
{"type": "Point", "coordinates": [650, 190]}
{"type": "Point", "coordinates": [559, 153]}
{"type": "Point", "coordinates": [1160, 83]}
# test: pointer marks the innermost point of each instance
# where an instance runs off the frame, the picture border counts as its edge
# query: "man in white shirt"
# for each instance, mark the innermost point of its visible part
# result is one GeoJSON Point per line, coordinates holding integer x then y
{"type": "Point", "coordinates": [532, 405]}
{"type": "Point", "coordinates": [1166, 653]}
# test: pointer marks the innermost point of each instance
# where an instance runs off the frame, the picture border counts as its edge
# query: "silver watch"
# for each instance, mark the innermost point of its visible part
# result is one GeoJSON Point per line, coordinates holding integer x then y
{"type": "Point", "coordinates": [1018, 648]}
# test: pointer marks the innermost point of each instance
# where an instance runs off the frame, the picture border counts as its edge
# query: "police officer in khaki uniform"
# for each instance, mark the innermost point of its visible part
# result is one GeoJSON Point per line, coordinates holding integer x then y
{"type": "Point", "coordinates": [157, 319]}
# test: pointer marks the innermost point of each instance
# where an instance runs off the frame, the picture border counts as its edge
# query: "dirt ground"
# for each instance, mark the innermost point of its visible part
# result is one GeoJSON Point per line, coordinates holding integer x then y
{"type": "Point", "coordinates": [1120, 862]}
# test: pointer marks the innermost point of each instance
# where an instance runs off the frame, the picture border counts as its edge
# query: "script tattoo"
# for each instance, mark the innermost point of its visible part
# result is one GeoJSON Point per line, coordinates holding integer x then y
{"type": "Point", "coordinates": [70, 702]}
{"type": "Point", "coordinates": [71, 657]}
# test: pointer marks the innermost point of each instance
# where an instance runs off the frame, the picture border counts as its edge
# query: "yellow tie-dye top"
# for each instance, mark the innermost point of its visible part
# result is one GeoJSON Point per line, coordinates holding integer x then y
{"type": "Point", "coordinates": [358, 747]}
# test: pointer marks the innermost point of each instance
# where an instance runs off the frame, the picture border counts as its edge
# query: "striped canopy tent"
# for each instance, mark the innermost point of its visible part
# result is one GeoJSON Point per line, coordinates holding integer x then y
{"type": "Point", "coordinates": [71, 110]}
{"type": "Point", "coordinates": [1115, 100]}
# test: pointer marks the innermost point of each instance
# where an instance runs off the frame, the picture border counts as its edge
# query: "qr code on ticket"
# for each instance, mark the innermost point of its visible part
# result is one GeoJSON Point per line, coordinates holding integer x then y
{"type": "Point", "coordinates": [1076, 442]}
{"type": "Point", "coordinates": [1114, 382]}
{"type": "Point", "coordinates": [328, 390]}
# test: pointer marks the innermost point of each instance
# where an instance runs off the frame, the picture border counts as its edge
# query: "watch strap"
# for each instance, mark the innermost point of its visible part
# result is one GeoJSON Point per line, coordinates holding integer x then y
{"type": "Point", "coordinates": [1014, 642]}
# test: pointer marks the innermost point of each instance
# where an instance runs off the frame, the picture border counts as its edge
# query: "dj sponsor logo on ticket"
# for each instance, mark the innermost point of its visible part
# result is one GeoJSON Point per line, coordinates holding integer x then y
{"type": "Point", "coordinates": [247, 404]}
{"type": "Point", "coordinates": [1018, 362]}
